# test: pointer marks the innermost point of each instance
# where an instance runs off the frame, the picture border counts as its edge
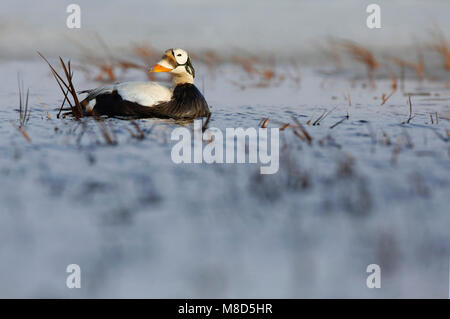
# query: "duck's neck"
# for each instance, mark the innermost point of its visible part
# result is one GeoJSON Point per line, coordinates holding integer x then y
{"type": "Point", "coordinates": [183, 79]}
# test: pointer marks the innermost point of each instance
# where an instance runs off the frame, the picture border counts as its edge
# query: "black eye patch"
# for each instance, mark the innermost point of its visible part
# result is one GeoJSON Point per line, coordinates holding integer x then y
{"type": "Point", "coordinates": [179, 54]}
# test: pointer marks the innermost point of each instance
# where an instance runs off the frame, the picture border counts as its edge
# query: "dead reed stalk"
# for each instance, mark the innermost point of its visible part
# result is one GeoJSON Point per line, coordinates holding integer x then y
{"type": "Point", "coordinates": [363, 55]}
{"type": "Point", "coordinates": [49, 117]}
{"type": "Point", "coordinates": [323, 116]}
{"type": "Point", "coordinates": [301, 133]}
{"type": "Point", "coordinates": [349, 99]}
{"type": "Point", "coordinates": [393, 78]}
{"type": "Point", "coordinates": [411, 116]}
{"type": "Point", "coordinates": [384, 98]}
{"type": "Point", "coordinates": [140, 134]}
{"type": "Point", "coordinates": [441, 46]}
{"type": "Point", "coordinates": [107, 135]}
{"type": "Point", "coordinates": [264, 122]}
{"type": "Point", "coordinates": [418, 67]}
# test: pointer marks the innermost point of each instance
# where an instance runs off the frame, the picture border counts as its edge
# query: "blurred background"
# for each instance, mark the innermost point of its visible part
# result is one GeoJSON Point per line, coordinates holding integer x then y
{"type": "Point", "coordinates": [285, 29]}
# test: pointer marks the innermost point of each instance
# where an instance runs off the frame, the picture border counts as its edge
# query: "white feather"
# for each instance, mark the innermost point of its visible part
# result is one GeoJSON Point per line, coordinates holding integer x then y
{"type": "Point", "coordinates": [91, 105]}
{"type": "Point", "coordinates": [143, 93]}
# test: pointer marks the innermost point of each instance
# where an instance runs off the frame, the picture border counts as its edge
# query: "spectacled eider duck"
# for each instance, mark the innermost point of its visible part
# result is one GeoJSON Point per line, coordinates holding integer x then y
{"type": "Point", "coordinates": [150, 99]}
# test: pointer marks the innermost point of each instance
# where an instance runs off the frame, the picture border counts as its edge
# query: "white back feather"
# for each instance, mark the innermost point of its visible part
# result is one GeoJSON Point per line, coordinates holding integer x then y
{"type": "Point", "coordinates": [143, 93]}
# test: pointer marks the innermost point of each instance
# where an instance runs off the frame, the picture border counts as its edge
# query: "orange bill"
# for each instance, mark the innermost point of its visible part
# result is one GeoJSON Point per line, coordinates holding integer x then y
{"type": "Point", "coordinates": [160, 68]}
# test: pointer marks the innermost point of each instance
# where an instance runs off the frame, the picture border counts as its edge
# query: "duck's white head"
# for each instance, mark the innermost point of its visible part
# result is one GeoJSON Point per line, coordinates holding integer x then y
{"type": "Point", "coordinates": [178, 63]}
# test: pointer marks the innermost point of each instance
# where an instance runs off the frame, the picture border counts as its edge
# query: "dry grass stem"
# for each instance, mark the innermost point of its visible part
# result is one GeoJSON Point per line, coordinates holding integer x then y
{"type": "Point", "coordinates": [302, 133]}
{"type": "Point", "coordinates": [363, 55]}
{"type": "Point", "coordinates": [340, 121]}
{"type": "Point", "coordinates": [263, 123]}
{"type": "Point", "coordinates": [411, 116]}
{"type": "Point", "coordinates": [384, 98]}
{"type": "Point", "coordinates": [441, 46]}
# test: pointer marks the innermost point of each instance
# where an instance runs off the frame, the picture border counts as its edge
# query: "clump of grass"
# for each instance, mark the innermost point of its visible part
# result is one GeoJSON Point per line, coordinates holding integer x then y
{"type": "Point", "coordinates": [418, 67]}
{"type": "Point", "coordinates": [66, 88]}
{"type": "Point", "coordinates": [346, 166]}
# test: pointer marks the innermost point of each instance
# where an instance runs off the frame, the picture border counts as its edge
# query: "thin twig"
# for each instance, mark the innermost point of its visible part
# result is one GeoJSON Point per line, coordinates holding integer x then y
{"type": "Point", "coordinates": [410, 111]}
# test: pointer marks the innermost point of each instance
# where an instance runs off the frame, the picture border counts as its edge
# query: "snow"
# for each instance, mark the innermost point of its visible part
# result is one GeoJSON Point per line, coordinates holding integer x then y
{"type": "Point", "coordinates": [371, 190]}
{"type": "Point", "coordinates": [141, 226]}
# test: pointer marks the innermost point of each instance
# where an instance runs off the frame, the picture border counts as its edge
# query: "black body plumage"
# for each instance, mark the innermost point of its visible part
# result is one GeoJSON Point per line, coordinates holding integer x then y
{"type": "Point", "coordinates": [187, 102]}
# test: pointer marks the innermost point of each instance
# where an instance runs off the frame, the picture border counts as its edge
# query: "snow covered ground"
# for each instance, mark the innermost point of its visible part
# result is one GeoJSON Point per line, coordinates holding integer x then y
{"type": "Point", "coordinates": [369, 190]}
